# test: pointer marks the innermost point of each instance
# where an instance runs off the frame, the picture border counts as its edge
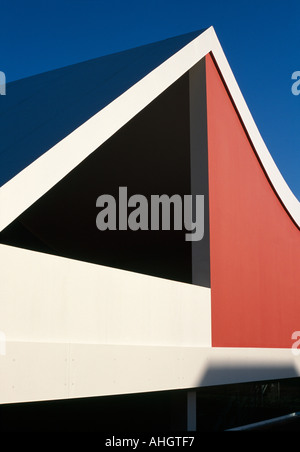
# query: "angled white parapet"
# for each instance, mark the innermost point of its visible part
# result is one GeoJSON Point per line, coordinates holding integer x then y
{"type": "Point", "coordinates": [74, 329]}
{"type": "Point", "coordinates": [52, 305]}
{"type": "Point", "coordinates": [45, 298]}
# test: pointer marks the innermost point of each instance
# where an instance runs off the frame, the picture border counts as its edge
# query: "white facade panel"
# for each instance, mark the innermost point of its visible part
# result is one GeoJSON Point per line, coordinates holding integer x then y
{"type": "Point", "coordinates": [32, 371]}
{"type": "Point", "coordinates": [46, 298]}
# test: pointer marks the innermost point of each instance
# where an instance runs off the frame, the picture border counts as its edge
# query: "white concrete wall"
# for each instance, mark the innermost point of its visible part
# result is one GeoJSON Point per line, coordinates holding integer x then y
{"type": "Point", "coordinates": [74, 329]}
{"type": "Point", "coordinates": [45, 298]}
{"type": "Point", "coordinates": [49, 304]}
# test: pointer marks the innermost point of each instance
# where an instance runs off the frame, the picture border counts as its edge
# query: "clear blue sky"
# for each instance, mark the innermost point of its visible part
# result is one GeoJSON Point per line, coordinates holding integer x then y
{"type": "Point", "coordinates": [261, 40]}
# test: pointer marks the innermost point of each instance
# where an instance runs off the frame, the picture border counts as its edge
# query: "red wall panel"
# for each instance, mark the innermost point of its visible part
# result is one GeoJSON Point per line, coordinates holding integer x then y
{"type": "Point", "coordinates": [255, 246]}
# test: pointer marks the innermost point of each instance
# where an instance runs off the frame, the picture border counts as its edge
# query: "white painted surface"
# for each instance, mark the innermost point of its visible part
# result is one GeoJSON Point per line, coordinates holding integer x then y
{"type": "Point", "coordinates": [54, 310]}
{"type": "Point", "coordinates": [75, 329]}
{"type": "Point", "coordinates": [32, 371]}
{"type": "Point", "coordinates": [46, 298]}
{"type": "Point", "coordinates": [35, 180]}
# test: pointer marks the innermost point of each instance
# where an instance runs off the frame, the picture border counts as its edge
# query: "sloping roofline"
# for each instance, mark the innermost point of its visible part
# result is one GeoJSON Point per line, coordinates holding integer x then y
{"type": "Point", "coordinates": [41, 110]}
{"type": "Point", "coordinates": [41, 175]}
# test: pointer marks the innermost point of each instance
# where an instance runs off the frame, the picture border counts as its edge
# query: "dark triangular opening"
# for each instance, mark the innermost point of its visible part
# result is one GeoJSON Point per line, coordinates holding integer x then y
{"type": "Point", "coordinates": [149, 155]}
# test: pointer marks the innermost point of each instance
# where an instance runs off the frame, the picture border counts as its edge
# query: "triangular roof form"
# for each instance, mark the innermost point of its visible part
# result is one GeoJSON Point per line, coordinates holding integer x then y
{"type": "Point", "coordinates": [98, 97]}
{"type": "Point", "coordinates": [40, 111]}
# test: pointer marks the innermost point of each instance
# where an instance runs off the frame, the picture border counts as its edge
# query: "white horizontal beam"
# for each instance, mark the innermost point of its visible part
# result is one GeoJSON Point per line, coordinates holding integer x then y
{"type": "Point", "coordinates": [34, 371]}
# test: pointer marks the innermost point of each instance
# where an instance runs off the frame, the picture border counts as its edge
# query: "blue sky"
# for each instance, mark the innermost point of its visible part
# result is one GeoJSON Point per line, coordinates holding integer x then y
{"type": "Point", "coordinates": [261, 40]}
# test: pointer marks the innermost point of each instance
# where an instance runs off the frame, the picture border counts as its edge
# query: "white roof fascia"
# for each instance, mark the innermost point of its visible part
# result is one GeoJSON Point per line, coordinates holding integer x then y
{"type": "Point", "coordinates": [279, 184]}
{"type": "Point", "coordinates": [40, 176]}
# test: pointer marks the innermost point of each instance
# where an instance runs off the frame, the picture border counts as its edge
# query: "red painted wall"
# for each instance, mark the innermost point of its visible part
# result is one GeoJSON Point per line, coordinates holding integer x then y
{"type": "Point", "coordinates": [255, 246]}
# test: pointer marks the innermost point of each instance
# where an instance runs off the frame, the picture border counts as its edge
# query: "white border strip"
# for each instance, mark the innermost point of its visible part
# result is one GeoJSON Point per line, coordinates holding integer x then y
{"type": "Point", "coordinates": [35, 180]}
{"type": "Point", "coordinates": [287, 197]}
{"type": "Point", "coordinates": [70, 370]}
